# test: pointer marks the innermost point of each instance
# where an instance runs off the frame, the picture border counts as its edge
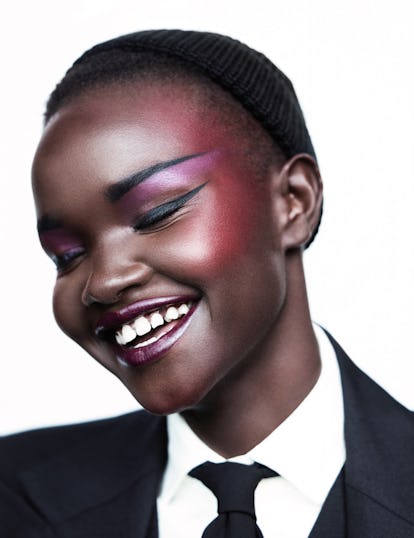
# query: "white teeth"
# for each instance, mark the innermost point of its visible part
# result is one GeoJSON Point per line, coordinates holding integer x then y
{"type": "Point", "coordinates": [183, 309]}
{"type": "Point", "coordinates": [171, 314]}
{"type": "Point", "coordinates": [119, 339]}
{"type": "Point", "coordinates": [156, 320]}
{"type": "Point", "coordinates": [128, 334]}
{"type": "Point", "coordinates": [142, 326]}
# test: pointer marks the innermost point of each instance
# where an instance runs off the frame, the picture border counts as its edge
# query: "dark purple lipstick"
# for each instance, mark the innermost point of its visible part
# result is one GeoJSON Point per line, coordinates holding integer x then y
{"type": "Point", "coordinates": [153, 345]}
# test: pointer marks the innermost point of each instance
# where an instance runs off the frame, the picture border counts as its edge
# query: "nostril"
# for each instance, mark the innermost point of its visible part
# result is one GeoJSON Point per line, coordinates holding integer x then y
{"type": "Point", "coordinates": [88, 299]}
{"type": "Point", "coordinates": [101, 289]}
{"type": "Point", "coordinates": [105, 287]}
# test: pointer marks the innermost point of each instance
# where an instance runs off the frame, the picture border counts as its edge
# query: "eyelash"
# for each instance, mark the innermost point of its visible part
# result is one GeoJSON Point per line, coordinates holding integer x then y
{"type": "Point", "coordinates": [62, 261]}
{"type": "Point", "coordinates": [152, 217]}
{"type": "Point", "coordinates": [163, 211]}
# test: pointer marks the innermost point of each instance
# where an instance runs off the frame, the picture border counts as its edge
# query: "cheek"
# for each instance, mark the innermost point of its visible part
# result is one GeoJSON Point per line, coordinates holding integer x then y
{"type": "Point", "coordinates": [201, 252]}
{"type": "Point", "coordinates": [239, 228]}
{"type": "Point", "coordinates": [67, 307]}
{"type": "Point", "coordinates": [233, 239]}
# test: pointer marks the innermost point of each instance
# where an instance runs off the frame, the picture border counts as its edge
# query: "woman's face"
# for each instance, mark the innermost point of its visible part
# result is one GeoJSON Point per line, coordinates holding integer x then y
{"type": "Point", "coordinates": [170, 270]}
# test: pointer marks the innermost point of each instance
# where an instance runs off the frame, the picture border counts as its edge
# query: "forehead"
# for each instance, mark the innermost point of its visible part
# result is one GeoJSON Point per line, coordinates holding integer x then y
{"type": "Point", "coordinates": [142, 109]}
{"type": "Point", "coordinates": [109, 133]}
{"type": "Point", "coordinates": [152, 120]}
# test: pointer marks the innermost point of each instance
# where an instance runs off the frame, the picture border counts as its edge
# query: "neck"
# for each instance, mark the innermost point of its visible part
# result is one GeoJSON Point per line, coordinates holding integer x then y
{"type": "Point", "coordinates": [263, 391]}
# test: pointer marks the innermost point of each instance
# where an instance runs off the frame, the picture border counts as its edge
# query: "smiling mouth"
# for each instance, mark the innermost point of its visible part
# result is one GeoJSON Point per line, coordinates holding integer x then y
{"type": "Point", "coordinates": [145, 331]}
{"type": "Point", "coordinates": [149, 328]}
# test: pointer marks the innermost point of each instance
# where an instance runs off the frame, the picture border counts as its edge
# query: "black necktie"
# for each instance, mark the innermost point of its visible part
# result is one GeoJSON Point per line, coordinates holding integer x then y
{"type": "Point", "coordinates": [233, 484]}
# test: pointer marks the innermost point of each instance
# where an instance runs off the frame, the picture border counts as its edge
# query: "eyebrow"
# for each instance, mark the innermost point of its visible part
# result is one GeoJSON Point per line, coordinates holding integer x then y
{"type": "Point", "coordinates": [46, 223]}
{"type": "Point", "coordinates": [116, 191]}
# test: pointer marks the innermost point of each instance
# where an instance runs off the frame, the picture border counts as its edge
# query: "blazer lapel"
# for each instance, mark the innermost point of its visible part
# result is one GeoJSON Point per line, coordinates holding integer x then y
{"type": "Point", "coordinates": [379, 469]}
{"type": "Point", "coordinates": [104, 487]}
{"type": "Point", "coordinates": [331, 521]}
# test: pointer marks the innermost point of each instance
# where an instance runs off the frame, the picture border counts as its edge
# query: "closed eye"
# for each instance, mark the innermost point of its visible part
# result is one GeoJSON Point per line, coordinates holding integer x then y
{"type": "Point", "coordinates": [163, 211]}
{"type": "Point", "coordinates": [63, 261]}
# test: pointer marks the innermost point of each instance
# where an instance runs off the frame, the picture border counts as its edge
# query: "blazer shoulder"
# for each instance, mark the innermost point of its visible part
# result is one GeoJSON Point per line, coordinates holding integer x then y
{"type": "Point", "coordinates": [360, 382]}
{"type": "Point", "coordinates": [23, 450]}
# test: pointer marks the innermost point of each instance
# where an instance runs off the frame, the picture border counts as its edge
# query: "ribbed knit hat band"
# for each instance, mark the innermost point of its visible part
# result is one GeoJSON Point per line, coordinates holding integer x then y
{"type": "Point", "coordinates": [247, 74]}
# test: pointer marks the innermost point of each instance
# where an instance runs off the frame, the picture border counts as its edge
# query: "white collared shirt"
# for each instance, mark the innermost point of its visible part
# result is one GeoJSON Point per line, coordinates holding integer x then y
{"type": "Point", "coordinates": [307, 450]}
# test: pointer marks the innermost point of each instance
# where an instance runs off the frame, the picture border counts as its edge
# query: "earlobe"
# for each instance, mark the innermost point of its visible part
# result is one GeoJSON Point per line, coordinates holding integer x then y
{"type": "Point", "coordinates": [302, 193]}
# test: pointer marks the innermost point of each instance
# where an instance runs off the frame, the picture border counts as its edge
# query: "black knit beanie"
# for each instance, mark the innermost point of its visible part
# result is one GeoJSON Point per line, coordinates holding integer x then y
{"type": "Point", "coordinates": [247, 74]}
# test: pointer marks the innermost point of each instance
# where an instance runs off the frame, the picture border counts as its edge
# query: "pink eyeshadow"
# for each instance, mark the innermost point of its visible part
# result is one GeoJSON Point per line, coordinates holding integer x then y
{"type": "Point", "coordinates": [58, 241]}
{"type": "Point", "coordinates": [183, 175]}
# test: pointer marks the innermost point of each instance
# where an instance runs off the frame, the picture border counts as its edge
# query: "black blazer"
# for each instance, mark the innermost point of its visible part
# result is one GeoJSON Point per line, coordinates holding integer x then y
{"type": "Point", "coordinates": [101, 479]}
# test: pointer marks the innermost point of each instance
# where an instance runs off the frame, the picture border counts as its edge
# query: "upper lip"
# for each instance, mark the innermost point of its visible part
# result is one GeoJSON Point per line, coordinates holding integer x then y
{"type": "Point", "coordinates": [111, 321]}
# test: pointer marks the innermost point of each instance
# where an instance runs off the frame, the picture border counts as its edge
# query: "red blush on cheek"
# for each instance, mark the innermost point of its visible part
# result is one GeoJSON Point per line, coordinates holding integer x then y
{"type": "Point", "coordinates": [233, 228]}
{"type": "Point", "coordinates": [59, 241]}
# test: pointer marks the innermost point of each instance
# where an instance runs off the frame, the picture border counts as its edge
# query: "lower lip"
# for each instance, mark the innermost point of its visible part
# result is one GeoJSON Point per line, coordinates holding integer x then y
{"type": "Point", "coordinates": [155, 350]}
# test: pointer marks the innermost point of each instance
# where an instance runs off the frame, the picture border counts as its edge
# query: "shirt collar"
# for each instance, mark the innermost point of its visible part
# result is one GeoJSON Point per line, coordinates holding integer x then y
{"type": "Point", "coordinates": [307, 449]}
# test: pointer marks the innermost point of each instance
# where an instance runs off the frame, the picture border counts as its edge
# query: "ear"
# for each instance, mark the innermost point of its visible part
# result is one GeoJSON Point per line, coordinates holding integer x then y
{"type": "Point", "coordinates": [300, 197]}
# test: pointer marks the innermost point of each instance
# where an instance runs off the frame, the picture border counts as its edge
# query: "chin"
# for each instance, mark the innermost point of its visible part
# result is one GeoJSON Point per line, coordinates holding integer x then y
{"type": "Point", "coordinates": [164, 403]}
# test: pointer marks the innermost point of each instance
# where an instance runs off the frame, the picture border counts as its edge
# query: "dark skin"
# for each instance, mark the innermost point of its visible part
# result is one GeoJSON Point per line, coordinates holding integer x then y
{"type": "Point", "coordinates": [249, 356]}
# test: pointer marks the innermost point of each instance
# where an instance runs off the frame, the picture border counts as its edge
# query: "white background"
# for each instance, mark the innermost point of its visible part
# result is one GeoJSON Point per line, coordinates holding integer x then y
{"type": "Point", "coordinates": [352, 66]}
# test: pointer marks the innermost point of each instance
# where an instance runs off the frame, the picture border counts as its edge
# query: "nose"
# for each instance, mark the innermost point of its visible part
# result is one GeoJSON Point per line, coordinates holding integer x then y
{"type": "Point", "coordinates": [110, 278]}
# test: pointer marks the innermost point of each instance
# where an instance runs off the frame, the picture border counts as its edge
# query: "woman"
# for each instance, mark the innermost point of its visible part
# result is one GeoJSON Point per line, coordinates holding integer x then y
{"type": "Point", "coordinates": [176, 187]}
